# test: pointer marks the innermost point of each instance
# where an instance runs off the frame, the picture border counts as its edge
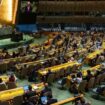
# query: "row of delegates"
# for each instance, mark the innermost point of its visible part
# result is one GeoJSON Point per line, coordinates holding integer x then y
{"type": "Point", "coordinates": [12, 79]}
{"type": "Point", "coordinates": [77, 79]}
{"type": "Point", "coordinates": [42, 98]}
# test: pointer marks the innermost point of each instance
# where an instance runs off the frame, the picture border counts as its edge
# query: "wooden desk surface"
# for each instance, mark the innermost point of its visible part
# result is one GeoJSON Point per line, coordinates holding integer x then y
{"type": "Point", "coordinates": [10, 94]}
{"type": "Point", "coordinates": [84, 72]}
{"type": "Point", "coordinates": [80, 50]}
{"type": "Point", "coordinates": [94, 54]}
{"type": "Point", "coordinates": [67, 100]}
{"type": "Point", "coordinates": [58, 67]}
{"type": "Point", "coordinates": [18, 58]}
{"type": "Point", "coordinates": [18, 66]}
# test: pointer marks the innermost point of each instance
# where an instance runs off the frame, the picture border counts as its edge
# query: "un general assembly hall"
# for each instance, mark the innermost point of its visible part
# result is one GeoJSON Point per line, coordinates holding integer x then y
{"type": "Point", "coordinates": [52, 52]}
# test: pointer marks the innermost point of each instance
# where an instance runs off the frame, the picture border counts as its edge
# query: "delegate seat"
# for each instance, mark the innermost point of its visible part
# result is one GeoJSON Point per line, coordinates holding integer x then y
{"type": "Point", "coordinates": [98, 78]}
{"type": "Point", "coordinates": [82, 86]}
{"type": "Point", "coordinates": [18, 100]}
{"type": "Point", "coordinates": [11, 85]}
{"type": "Point", "coordinates": [50, 78]}
{"type": "Point", "coordinates": [5, 103]}
{"type": "Point", "coordinates": [3, 87]}
{"type": "Point", "coordinates": [91, 83]}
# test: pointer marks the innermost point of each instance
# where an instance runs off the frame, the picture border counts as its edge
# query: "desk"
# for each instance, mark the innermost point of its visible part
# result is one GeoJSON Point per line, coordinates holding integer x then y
{"type": "Point", "coordinates": [12, 93]}
{"type": "Point", "coordinates": [60, 42]}
{"type": "Point", "coordinates": [58, 67]}
{"type": "Point", "coordinates": [81, 51]}
{"type": "Point", "coordinates": [93, 55]}
{"type": "Point", "coordinates": [35, 50]}
{"type": "Point", "coordinates": [84, 72]}
{"type": "Point", "coordinates": [20, 58]}
{"type": "Point", "coordinates": [18, 66]}
{"type": "Point", "coordinates": [6, 63]}
{"type": "Point", "coordinates": [5, 78]}
{"type": "Point", "coordinates": [67, 100]}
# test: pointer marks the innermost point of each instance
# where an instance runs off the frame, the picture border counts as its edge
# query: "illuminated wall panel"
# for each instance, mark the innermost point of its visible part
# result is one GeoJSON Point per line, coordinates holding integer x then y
{"type": "Point", "coordinates": [8, 9]}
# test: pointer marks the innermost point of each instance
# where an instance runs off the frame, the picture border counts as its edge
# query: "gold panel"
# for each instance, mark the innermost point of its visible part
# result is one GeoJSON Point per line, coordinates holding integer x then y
{"type": "Point", "coordinates": [8, 9]}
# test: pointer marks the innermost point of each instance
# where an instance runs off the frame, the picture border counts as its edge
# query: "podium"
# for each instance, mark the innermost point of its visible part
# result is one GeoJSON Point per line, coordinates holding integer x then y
{"type": "Point", "coordinates": [16, 37]}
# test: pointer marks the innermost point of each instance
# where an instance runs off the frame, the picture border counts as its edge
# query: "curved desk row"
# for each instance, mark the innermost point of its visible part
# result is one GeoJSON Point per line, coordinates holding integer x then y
{"type": "Point", "coordinates": [6, 63]}
{"type": "Point", "coordinates": [12, 93]}
{"type": "Point", "coordinates": [67, 100]}
{"type": "Point", "coordinates": [18, 66]}
{"type": "Point", "coordinates": [92, 69]}
{"type": "Point", "coordinates": [58, 67]}
{"type": "Point", "coordinates": [95, 53]}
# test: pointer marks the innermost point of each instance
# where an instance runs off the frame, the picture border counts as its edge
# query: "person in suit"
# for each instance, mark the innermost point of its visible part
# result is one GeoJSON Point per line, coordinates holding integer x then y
{"type": "Point", "coordinates": [48, 73]}
{"type": "Point", "coordinates": [89, 75]}
{"type": "Point", "coordinates": [47, 90]}
{"type": "Point", "coordinates": [29, 93]}
{"type": "Point", "coordinates": [28, 8]}
{"type": "Point", "coordinates": [51, 101]}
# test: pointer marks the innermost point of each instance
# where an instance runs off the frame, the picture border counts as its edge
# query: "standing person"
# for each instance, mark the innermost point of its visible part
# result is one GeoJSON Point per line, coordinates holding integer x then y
{"type": "Point", "coordinates": [28, 8]}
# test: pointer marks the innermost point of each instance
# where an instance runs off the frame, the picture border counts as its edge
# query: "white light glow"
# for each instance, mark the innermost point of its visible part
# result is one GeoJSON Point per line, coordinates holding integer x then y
{"type": "Point", "coordinates": [10, 10]}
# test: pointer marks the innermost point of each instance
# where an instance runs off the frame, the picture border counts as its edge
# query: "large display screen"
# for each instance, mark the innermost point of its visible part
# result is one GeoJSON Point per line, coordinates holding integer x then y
{"type": "Point", "coordinates": [27, 12]}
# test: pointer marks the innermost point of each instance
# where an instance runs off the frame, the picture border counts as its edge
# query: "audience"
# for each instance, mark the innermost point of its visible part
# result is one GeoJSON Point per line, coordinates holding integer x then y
{"type": "Point", "coordinates": [62, 46]}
